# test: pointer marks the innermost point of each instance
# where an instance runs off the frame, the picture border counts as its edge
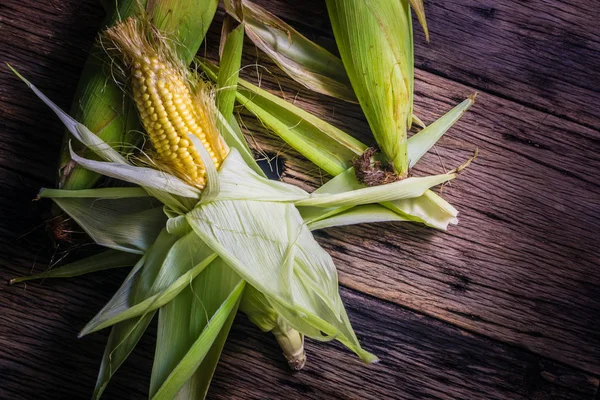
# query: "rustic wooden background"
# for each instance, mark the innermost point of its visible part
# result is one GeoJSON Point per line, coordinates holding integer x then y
{"type": "Point", "coordinates": [504, 306]}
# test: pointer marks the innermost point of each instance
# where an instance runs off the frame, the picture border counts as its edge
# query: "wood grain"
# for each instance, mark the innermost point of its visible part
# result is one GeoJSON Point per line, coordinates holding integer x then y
{"type": "Point", "coordinates": [519, 273]}
{"type": "Point", "coordinates": [420, 356]}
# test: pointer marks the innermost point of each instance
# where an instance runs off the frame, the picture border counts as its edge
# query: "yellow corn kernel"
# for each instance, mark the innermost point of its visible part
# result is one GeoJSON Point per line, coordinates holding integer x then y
{"type": "Point", "coordinates": [168, 108]}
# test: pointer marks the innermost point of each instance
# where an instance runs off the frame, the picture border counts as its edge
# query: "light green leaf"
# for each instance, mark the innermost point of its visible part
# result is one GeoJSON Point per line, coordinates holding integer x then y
{"type": "Point", "coordinates": [303, 60]}
{"type": "Point", "coordinates": [122, 340]}
{"type": "Point", "coordinates": [238, 142]}
{"type": "Point", "coordinates": [404, 189]}
{"type": "Point", "coordinates": [429, 209]}
{"type": "Point", "coordinates": [238, 181]}
{"type": "Point", "coordinates": [139, 284]}
{"type": "Point", "coordinates": [305, 290]}
{"type": "Point", "coordinates": [258, 309]}
{"type": "Point", "coordinates": [105, 193]}
{"type": "Point", "coordinates": [129, 225]}
{"type": "Point", "coordinates": [147, 177]}
{"type": "Point", "coordinates": [419, 9]}
{"type": "Point", "coordinates": [421, 142]}
{"type": "Point", "coordinates": [227, 82]}
{"type": "Point", "coordinates": [358, 215]}
{"type": "Point", "coordinates": [197, 386]}
{"type": "Point", "coordinates": [124, 336]}
{"type": "Point", "coordinates": [151, 303]}
{"type": "Point", "coordinates": [182, 321]}
{"type": "Point", "coordinates": [229, 71]}
{"type": "Point", "coordinates": [79, 131]}
{"type": "Point", "coordinates": [200, 348]}
{"type": "Point", "coordinates": [99, 262]}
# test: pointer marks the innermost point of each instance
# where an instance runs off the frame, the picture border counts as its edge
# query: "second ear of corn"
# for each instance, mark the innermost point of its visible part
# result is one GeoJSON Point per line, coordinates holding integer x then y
{"type": "Point", "coordinates": [170, 110]}
{"type": "Point", "coordinates": [375, 43]}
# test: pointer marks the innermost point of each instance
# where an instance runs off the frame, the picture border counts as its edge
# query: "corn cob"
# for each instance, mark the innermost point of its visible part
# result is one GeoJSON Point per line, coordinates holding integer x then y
{"type": "Point", "coordinates": [170, 108]}
{"type": "Point", "coordinates": [99, 102]}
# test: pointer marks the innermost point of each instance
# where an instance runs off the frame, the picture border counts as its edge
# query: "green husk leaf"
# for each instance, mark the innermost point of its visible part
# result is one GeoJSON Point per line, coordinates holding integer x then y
{"type": "Point", "coordinates": [122, 340]}
{"type": "Point", "coordinates": [143, 281]}
{"type": "Point", "coordinates": [429, 209]}
{"type": "Point", "coordinates": [258, 309]}
{"type": "Point", "coordinates": [305, 293]}
{"type": "Point", "coordinates": [151, 303]}
{"type": "Point", "coordinates": [79, 131]}
{"type": "Point", "coordinates": [147, 177]}
{"type": "Point", "coordinates": [357, 215]}
{"type": "Point", "coordinates": [201, 347]}
{"type": "Point", "coordinates": [229, 71]}
{"type": "Point", "coordinates": [238, 181]}
{"type": "Point", "coordinates": [421, 142]}
{"type": "Point", "coordinates": [375, 43]}
{"type": "Point", "coordinates": [419, 9]}
{"type": "Point", "coordinates": [322, 143]}
{"type": "Point", "coordinates": [226, 80]}
{"type": "Point", "coordinates": [181, 323]}
{"type": "Point", "coordinates": [104, 193]}
{"type": "Point", "coordinates": [99, 262]}
{"type": "Point", "coordinates": [406, 188]}
{"type": "Point", "coordinates": [303, 60]}
{"type": "Point", "coordinates": [129, 225]}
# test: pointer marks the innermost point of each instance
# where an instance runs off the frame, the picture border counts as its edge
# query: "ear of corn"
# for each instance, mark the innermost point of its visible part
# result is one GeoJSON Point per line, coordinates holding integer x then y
{"type": "Point", "coordinates": [99, 103]}
{"type": "Point", "coordinates": [255, 228]}
{"type": "Point", "coordinates": [169, 109]}
{"type": "Point", "coordinates": [375, 42]}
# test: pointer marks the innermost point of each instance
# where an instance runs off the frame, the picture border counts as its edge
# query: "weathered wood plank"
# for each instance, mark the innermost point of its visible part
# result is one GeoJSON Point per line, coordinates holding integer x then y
{"type": "Point", "coordinates": [543, 54]}
{"type": "Point", "coordinates": [420, 356]}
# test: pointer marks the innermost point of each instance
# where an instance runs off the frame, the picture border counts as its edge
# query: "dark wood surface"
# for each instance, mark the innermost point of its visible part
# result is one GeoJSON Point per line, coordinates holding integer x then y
{"type": "Point", "coordinates": [506, 305]}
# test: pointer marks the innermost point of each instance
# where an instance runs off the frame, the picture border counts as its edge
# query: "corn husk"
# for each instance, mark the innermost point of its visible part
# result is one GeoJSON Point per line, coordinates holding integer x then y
{"type": "Point", "coordinates": [305, 61]}
{"type": "Point", "coordinates": [334, 150]}
{"type": "Point", "coordinates": [203, 251]}
{"type": "Point", "coordinates": [375, 43]}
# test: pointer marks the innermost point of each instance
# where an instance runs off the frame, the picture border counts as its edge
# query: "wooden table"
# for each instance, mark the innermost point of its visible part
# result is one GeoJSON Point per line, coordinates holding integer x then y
{"type": "Point", "coordinates": [506, 305]}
